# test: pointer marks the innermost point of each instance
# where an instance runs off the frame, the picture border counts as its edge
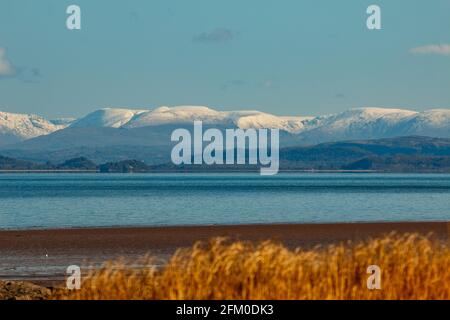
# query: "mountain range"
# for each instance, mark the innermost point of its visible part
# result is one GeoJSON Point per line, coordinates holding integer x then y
{"type": "Point", "coordinates": [120, 134]}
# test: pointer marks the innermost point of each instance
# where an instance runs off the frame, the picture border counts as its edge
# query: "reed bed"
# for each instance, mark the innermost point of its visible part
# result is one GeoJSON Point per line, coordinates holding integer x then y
{"type": "Point", "coordinates": [412, 267]}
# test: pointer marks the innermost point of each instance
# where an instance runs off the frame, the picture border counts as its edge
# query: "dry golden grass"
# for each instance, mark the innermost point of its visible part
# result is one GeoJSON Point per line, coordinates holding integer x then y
{"type": "Point", "coordinates": [413, 267]}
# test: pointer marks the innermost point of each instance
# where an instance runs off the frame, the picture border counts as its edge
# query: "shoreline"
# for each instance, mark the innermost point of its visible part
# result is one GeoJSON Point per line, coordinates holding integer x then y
{"type": "Point", "coordinates": [42, 256]}
{"type": "Point", "coordinates": [223, 226]}
{"type": "Point", "coordinates": [231, 171]}
{"type": "Point", "coordinates": [206, 171]}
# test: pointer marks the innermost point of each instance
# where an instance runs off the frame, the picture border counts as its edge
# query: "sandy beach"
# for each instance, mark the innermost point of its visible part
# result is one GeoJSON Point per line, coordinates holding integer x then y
{"type": "Point", "coordinates": [43, 255]}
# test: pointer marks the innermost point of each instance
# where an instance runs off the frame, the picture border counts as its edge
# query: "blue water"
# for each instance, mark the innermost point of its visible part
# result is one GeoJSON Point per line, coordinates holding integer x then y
{"type": "Point", "coordinates": [86, 200]}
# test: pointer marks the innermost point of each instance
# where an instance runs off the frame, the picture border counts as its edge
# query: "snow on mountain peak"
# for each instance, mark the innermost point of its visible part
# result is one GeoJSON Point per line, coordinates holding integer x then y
{"type": "Point", "coordinates": [175, 115]}
{"type": "Point", "coordinates": [260, 120]}
{"type": "Point", "coordinates": [359, 123]}
{"type": "Point", "coordinates": [242, 119]}
{"type": "Point", "coordinates": [17, 127]}
{"type": "Point", "coordinates": [435, 123]}
{"type": "Point", "coordinates": [107, 117]}
{"type": "Point", "coordinates": [436, 117]}
{"type": "Point", "coordinates": [365, 122]}
{"type": "Point", "coordinates": [380, 111]}
{"type": "Point", "coordinates": [375, 113]}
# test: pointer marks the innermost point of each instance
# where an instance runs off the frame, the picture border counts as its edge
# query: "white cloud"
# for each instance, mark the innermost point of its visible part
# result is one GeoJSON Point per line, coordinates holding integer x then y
{"type": "Point", "coordinates": [6, 69]}
{"type": "Point", "coordinates": [441, 49]}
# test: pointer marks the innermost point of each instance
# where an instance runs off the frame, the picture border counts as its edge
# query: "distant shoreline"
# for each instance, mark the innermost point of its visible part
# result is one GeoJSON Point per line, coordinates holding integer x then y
{"type": "Point", "coordinates": [367, 225]}
{"type": "Point", "coordinates": [49, 171]}
{"type": "Point", "coordinates": [214, 171]}
{"type": "Point", "coordinates": [219, 172]}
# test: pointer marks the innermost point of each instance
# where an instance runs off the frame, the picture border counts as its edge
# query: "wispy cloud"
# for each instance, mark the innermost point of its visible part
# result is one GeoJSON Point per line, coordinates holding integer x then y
{"type": "Point", "coordinates": [216, 36]}
{"type": "Point", "coordinates": [6, 68]}
{"type": "Point", "coordinates": [22, 73]}
{"type": "Point", "coordinates": [440, 49]}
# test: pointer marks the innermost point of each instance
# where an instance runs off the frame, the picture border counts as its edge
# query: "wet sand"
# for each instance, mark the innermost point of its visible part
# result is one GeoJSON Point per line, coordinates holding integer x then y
{"type": "Point", "coordinates": [44, 255]}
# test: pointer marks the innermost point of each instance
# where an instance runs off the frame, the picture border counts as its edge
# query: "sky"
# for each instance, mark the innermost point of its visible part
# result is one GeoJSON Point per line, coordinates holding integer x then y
{"type": "Point", "coordinates": [290, 57]}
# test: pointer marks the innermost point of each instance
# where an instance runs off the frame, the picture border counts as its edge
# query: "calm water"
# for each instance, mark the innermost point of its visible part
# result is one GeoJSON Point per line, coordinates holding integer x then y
{"type": "Point", "coordinates": [83, 200]}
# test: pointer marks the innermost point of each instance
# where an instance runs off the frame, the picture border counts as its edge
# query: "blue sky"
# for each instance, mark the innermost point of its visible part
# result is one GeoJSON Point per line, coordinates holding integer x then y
{"type": "Point", "coordinates": [287, 57]}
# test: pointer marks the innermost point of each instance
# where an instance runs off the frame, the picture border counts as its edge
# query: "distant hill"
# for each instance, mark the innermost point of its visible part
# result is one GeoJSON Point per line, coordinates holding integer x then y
{"type": "Point", "coordinates": [127, 166]}
{"type": "Point", "coordinates": [338, 155]}
{"type": "Point", "coordinates": [81, 163]}
{"type": "Point", "coordinates": [402, 163]}
{"type": "Point", "coordinates": [15, 164]}
{"type": "Point", "coordinates": [403, 154]}
{"type": "Point", "coordinates": [78, 164]}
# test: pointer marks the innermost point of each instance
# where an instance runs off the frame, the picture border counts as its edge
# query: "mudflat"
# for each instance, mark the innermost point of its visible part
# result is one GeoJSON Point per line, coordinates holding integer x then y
{"type": "Point", "coordinates": [44, 255]}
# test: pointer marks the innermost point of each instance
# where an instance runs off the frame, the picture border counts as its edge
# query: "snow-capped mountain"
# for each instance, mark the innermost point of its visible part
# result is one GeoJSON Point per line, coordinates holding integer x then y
{"type": "Point", "coordinates": [139, 126]}
{"type": "Point", "coordinates": [360, 123]}
{"type": "Point", "coordinates": [126, 118]}
{"type": "Point", "coordinates": [19, 127]}
{"type": "Point", "coordinates": [106, 118]}
{"type": "Point", "coordinates": [375, 123]}
{"type": "Point", "coordinates": [433, 123]}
